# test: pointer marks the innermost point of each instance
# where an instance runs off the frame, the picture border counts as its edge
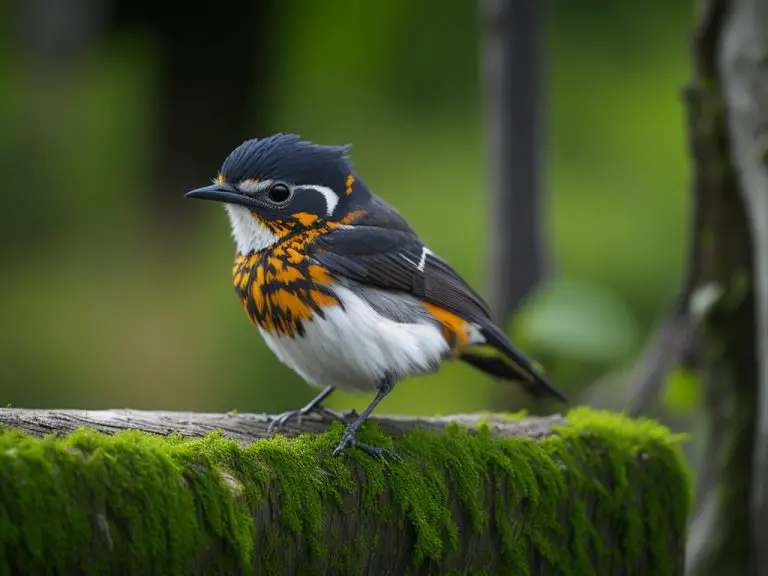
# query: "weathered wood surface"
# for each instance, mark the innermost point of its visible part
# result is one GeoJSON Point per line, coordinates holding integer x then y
{"type": "Point", "coordinates": [245, 427]}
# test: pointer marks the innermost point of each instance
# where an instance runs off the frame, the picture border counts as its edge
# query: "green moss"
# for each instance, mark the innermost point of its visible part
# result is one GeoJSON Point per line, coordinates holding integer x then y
{"type": "Point", "coordinates": [85, 501]}
{"type": "Point", "coordinates": [156, 505]}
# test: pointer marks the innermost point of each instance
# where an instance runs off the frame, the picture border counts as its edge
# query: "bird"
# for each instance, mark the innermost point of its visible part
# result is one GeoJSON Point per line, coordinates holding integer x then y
{"type": "Point", "coordinates": [342, 289]}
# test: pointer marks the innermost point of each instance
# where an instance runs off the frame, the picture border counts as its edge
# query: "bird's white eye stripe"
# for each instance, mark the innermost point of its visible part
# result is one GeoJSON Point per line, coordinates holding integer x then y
{"type": "Point", "coordinates": [254, 186]}
{"type": "Point", "coordinates": [331, 198]}
{"type": "Point", "coordinates": [251, 186]}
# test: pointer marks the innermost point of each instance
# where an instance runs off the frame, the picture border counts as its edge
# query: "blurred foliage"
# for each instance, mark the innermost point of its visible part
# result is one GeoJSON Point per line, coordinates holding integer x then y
{"type": "Point", "coordinates": [575, 329]}
{"type": "Point", "coordinates": [100, 312]}
{"type": "Point", "coordinates": [577, 320]}
{"type": "Point", "coordinates": [682, 391]}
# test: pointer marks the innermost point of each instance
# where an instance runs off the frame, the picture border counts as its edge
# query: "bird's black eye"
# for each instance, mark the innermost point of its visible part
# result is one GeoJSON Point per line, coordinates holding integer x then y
{"type": "Point", "coordinates": [279, 193]}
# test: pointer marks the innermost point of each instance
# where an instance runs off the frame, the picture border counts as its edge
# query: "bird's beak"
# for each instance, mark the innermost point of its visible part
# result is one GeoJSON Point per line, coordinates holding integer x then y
{"type": "Point", "coordinates": [222, 193]}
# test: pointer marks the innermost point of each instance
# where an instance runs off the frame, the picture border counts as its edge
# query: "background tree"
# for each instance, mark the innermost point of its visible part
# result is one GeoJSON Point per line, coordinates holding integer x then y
{"type": "Point", "coordinates": [514, 71]}
{"type": "Point", "coordinates": [727, 108]}
{"type": "Point", "coordinates": [205, 94]}
{"type": "Point", "coordinates": [514, 65]}
{"type": "Point", "coordinates": [214, 84]}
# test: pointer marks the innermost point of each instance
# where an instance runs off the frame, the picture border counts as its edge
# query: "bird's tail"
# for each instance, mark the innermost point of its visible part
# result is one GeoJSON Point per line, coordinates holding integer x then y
{"type": "Point", "coordinates": [508, 363]}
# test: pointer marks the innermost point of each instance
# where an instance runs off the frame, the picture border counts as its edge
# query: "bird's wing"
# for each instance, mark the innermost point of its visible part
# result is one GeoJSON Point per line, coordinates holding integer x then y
{"type": "Point", "coordinates": [396, 259]}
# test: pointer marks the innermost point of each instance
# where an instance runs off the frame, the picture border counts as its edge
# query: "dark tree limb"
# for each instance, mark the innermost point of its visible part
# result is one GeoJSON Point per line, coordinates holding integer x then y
{"type": "Point", "coordinates": [670, 345]}
{"type": "Point", "coordinates": [514, 64]}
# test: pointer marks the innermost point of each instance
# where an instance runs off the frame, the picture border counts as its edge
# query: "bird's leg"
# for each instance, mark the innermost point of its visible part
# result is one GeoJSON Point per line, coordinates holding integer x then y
{"type": "Point", "coordinates": [348, 438]}
{"type": "Point", "coordinates": [314, 406]}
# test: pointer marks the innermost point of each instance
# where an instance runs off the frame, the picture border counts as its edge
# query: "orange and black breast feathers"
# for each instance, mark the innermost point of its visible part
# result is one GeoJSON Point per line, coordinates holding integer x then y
{"type": "Point", "coordinates": [281, 288]}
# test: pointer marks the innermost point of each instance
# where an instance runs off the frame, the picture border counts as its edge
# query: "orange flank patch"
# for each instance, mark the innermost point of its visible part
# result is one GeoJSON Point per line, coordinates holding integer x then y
{"type": "Point", "coordinates": [319, 274]}
{"type": "Point", "coordinates": [322, 299]}
{"type": "Point", "coordinates": [454, 327]}
{"type": "Point", "coordinates": [305, 218]}
{"type": "Point", "coordinates": [220, 179]}
{"type": "Point", "coordinates": [348, 184]}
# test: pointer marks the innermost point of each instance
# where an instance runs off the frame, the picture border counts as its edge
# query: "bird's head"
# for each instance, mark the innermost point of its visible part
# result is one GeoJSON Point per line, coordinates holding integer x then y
{"type": "Point", "coordinates": [277, 185]}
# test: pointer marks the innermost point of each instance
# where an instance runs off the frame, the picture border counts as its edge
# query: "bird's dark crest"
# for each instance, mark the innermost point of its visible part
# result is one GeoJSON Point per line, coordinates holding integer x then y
{"type": "Point", "coordinates": [287, 157]}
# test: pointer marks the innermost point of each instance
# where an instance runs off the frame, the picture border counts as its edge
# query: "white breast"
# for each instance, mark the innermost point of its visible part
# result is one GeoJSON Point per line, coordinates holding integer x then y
{"type": "Point", "coordinates": [356, 348]}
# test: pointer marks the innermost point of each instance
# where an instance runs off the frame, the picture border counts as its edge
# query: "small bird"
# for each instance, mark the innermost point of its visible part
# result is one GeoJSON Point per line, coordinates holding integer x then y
{"type": "Point", "coordinates": [341, 288]}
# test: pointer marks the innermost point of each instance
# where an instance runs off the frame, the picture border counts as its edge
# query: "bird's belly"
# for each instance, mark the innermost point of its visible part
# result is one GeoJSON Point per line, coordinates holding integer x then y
{"type": "Point", "coordinates": [354, 348]}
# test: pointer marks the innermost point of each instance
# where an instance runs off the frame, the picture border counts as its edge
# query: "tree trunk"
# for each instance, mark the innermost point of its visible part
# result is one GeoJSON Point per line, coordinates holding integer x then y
{"type": "Point", "coordinates": [215, 82]}
{"type": "Point", "coordinates": [592, 493]}
{"type": "Point", "coordinates": [514, 66]}
{"type": "Point", "coordinates": [726, 99]}
{"type": "Point", "coordinates": [50, 39]}
{"type": "Point", "coordinates": [743, 56]}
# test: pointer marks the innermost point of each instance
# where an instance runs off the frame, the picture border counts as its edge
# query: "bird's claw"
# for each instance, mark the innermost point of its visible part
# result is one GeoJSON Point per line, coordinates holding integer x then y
{"type": "Point", "coordinates": [281, 419]}
{"type": "Point", "coordinates": [348, 439]}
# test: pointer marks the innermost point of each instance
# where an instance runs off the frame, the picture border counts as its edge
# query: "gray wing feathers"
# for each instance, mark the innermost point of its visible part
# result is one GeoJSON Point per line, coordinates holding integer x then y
{"type": "Point", "coordinates": [398, 307]}
{"type": "Point", "coordinates": [391, 259]}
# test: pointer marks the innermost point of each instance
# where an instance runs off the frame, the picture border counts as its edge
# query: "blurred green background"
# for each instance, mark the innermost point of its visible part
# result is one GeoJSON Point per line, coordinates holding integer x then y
{"type": "Point", "coordinates": [112, 299]}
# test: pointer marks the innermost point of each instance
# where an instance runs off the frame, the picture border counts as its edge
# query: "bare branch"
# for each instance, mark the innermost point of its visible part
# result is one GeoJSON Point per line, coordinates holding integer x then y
{"type": "Point", "coordinates": [669, 345]}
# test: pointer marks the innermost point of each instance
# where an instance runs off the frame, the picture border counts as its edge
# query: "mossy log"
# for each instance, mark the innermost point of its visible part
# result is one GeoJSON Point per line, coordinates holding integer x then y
{"type": "Point", "coordinates": [130, 492]}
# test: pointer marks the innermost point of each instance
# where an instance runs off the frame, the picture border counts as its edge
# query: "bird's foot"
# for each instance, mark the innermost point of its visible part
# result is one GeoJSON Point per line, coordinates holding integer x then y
{"type": "Point", "coordinates": [348, 439]}
{"type": "Point", "coordinates": [281, 419]}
